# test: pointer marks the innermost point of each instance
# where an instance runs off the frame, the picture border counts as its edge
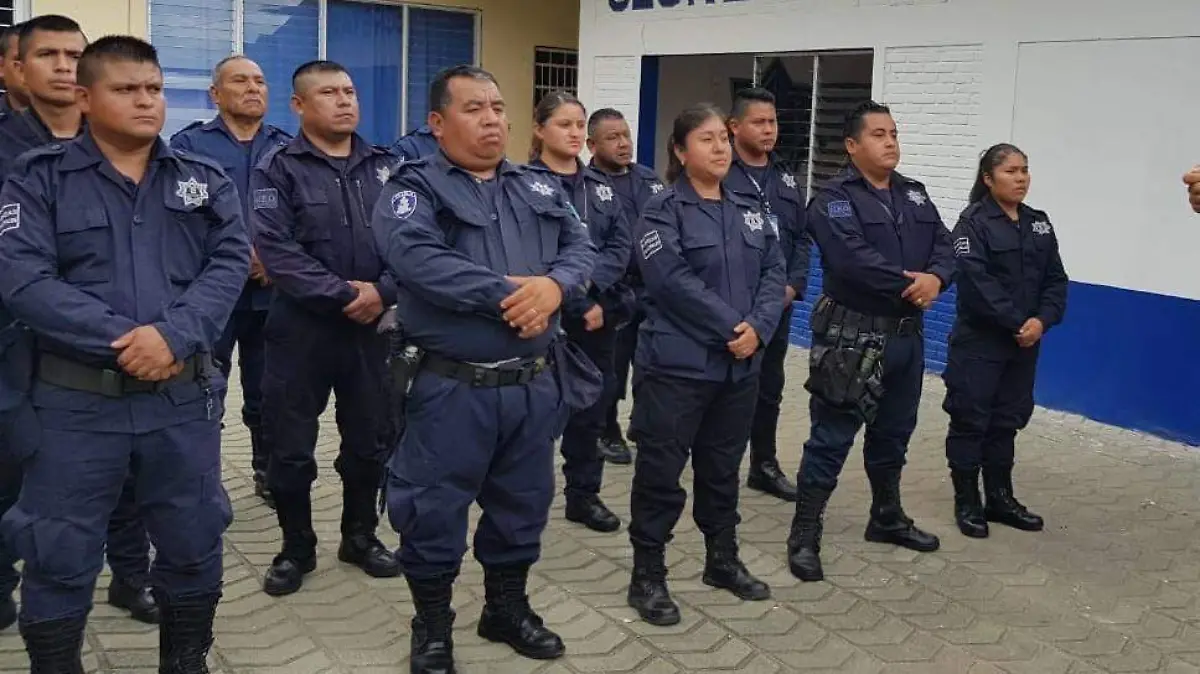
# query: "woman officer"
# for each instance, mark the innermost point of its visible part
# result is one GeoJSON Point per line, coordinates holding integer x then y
{"type": "Point", "coordinates": [714, 280]}
{"type": "Point", "coordinates": [591, 319]}
{"type": "Point", "coordinates": [1011, 289]}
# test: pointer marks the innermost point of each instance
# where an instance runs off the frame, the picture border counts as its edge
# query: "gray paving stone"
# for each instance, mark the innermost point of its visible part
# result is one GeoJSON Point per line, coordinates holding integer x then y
{"type": "Point", "coordinates": [1112, 585]}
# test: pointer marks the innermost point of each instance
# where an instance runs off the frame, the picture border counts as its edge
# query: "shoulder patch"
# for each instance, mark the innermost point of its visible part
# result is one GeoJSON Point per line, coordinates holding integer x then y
{"type": "Point", "coordinates": [10, 218]}
{"type": "Point", "coordinates": [962, 246]}
{"type": "Point", "coordinates": [266, 199]}
{"type": "Point", "coordinates": [840, 209]}
{"type": "Point", "coordinates": [650, 244]}
{"type": "Point", "coordinates": [404, 204]}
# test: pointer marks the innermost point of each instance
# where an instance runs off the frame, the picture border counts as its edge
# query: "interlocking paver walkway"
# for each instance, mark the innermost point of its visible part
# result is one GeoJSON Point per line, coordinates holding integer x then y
{"type": "Point", "coordinates": [1112, 585]}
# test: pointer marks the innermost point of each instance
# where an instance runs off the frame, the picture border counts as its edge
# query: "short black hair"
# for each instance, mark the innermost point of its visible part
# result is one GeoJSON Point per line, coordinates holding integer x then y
{"type": "Point", "coordinates": [602, 115]}
{"type": "Point", "coordinates": [439, 89]}
{"type": "Point", "coordinates": [313, 67]}
{"type": "Point", "coordinates": [113, 49]}
{"type": "Point", "coordinates": [49, 23]}
{"type": "Point", "coordinates": [743, 99]}
{"type": "Point", "coordinates": [7, 35]}
{"type": "Point", "coordinates": [854, 124]}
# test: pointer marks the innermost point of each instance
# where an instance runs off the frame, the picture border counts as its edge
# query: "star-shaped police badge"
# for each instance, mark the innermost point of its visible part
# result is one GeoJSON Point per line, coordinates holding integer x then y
{"type": "Point", "coordinates": [192, 191]}
{"type": "Point", "coordinates": [1041, 227]}
{"type": "Point", "coordinates": [604, 193]}
{"type": "Point", "coordinates": [542, 188]}
{"type": "Point", "coordinates": [789, 180]}
{"type": "Point", "coordinates": [754, 220]}
{"type": "Point", "coordinates": [917, 197]}
{"type": "Point", "coordinates": [383, 173]}
{"type": "Point", "coordinates": [655, 188]}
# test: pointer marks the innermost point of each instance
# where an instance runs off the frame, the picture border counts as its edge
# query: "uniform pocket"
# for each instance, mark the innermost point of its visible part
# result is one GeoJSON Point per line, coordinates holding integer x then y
{"type": "Point", "coordinates": [83, 237]}
{"type": "Point", "coordinates": [418, 459]}
{"type": "Point", "coordinates": [184, 246]}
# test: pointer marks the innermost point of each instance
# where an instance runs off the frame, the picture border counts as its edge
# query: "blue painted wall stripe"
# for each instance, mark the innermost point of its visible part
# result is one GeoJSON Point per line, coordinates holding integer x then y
{"type": "Point", "coordinates": [648, 111]}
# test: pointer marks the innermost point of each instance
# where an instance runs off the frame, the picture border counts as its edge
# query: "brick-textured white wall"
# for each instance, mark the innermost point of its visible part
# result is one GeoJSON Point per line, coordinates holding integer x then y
{"type": "Point", "coordinates": [616, 83]}
{"type": "Point", "coordinates": [935, 96]}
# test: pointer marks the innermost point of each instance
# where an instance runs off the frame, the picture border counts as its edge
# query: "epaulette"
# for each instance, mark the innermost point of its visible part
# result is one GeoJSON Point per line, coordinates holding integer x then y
{"type": "Point", "coordinates": [196, 158]}
{"type": "Point", "coordinates": [265, 162]}
{"type": "Point", "coordinates": [191, 125]}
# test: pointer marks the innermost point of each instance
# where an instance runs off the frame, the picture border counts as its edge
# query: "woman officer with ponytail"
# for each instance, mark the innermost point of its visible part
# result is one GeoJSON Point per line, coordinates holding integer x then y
{"type": "Point", "coordinates": [714, 279]}
{"type": "Point", "coordinates": [591, 316]}
{"type": "Point", "coordinates": [1011, 289]}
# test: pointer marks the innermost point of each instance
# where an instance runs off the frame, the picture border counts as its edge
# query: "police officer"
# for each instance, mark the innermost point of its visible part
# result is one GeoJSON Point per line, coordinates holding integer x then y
{"type": "Point", "coordinates": [886, 256]}
{"type": "Point", "coordinates": [124, 258]}
{"type": "Point", "coordinates": [416, 144]}
{"type": "Point", "coordinates": [15, 96]}
{"type": "Point", "coordinates": [483, 251]}
{"type": "Point", "coordinates": [237, 138]}
{"type": "Point", "coordinates": [758, 174]}
{"type": "Point", "coordinates": [611, 145]}
{"type": "Point", "coordinates": [714, 293]}
{"type": "Point", "coordinates": [312, 203]}
{"type": "Point", "coordinates": [1012, 288]}
{"type": "Point", "coordinates": [49, 47]}
{"type": "Point", "coordinates": [590, 319]}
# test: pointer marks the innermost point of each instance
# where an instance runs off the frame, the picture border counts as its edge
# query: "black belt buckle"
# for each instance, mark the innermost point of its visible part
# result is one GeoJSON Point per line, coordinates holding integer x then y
{"type": "Point", "coordinates": [112, 383]}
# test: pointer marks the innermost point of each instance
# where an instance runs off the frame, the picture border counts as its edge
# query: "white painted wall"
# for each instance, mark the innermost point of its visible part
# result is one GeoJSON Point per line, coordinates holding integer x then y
{"type": "Point", "coordinates": [962, 74]}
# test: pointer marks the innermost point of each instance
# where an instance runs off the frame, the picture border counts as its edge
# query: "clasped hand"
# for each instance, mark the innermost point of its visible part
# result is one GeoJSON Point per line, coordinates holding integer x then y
{"type": "Point", "coordinates": [145, 354]}
{"type": "Point", "coordinates": [531, 306]}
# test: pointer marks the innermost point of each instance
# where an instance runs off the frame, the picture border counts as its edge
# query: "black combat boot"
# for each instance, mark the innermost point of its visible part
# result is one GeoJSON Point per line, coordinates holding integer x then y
{"type": "Point", "coordinates": [186, 633]}
{"type": "Point", "coordinates": [135, 597]}
{"type": "Point", "coordinates": [648, 593]}
{"type": "Point", "coordinates": [804, 539]}
{"type": "Point", "coordinates": [432, 643]}
{"type": "Point", "coordinates": [590, 511]}
{"type": "Point", "coordinates": [360, 546]}
{"type": "Point", "coordinates": [767, 477]}
{"type": "Point", "coordinates": [723, 569]}
{"type": "Point", "coordinates": [508, 618]}
{"type": "Point", "coordinates": [968, 505]}
{"type": "Point", "coordinates": [615, 450]}
{"type": "Point", "coordinates": [55, 646]}
{"type": "Point", "coordinates": [1002, 506]}
{"type": "Point", "coordinates": [259, 464]}
{"type": "Point", "coordinates": [889, 523]}
{"type": "Point", "coordinates": [299, 555]}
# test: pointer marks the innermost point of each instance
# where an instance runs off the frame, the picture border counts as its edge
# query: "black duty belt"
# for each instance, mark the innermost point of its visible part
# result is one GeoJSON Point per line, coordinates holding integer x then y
{"type": "Point", "coordinates": [516, 373]}
{"type": "Point", "coordinates": [901, 327]}
{"type": "Point", "coordinates": [67, 373]}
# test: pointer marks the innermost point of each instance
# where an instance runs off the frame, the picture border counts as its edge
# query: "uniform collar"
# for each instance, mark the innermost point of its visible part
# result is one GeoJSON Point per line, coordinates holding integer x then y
{"type": "Point", "coordinates": [737, 159]}
{"type": "Point", "coordinates": [31, 117]}
{"type": "Point", "coordinates": [851, 174]}
{"type": "Point", "coordinates": [83, 153]}
{"type": "Point", "coordinates": [360, 149]}
{"type": "Point", "coordinates": [445, 165]}
{"type": "Point", "coordinates": [991, 209]}
{"type": "Point", "coordinates": [218, 124]}
{"type": "Point", "coordinates": [626, 171]}
{"type": "Point", "coordinates": [586, 170]}
{"type": "Point", "coordinates": [688, 195]}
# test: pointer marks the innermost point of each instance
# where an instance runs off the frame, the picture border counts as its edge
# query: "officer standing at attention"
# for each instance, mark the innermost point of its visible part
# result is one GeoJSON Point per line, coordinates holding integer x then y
{"type": "Point", "coordinates": [611, 144]}
{"type": "Point", "coordinates": [124, 258]}
{"type": "Point", "coordinates": [483, 251]}
{"type": "Point", "coordinates": [237, 138]}
{"type": "Point", "coordinates": [757, 174]}
{"type": "Point", "coordinates": [1012, 288]}
{"type": "Point", "coordinates": [15, 97]}
{"type": "Point", "coordinates": [590, 319]}
{"type": "Point", "coordinates": [886, 256]}
{"type": "Point", "coordinates": [714, 292]}
{"type": "Point", "coordinates": [50, 46]}
{"type": "Point", "coordinates": [416, 144]}
{"type": "Point", "coordinates": [312, 203]}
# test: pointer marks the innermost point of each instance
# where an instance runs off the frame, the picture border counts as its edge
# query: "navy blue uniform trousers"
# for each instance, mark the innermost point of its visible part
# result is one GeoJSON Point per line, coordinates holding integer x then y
{"type": "Point", "coordinates": [463, 444]}
{"type": "Point", "coordinates": [583, 466]}
{"type": "Point", "coordinates": [675, 417]}
{"type": "Point", "coordinates": [765, 427]}
{"type": "Point", "coordinates": [989, 397]}
{"type": "Point", "coordinates": [245, 329]}
{"type": "Point", "coordinates": [886, 442]}
{"type": "Point", "coordinates": [75, 482]}
{"type": "Point", "coordinates": [623, 351]}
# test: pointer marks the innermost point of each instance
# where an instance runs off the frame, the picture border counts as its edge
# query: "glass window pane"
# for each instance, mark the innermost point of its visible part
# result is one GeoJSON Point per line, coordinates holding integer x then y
{"type": "Point", "coordinates": [190, 39]}
{"type": "Point", "coordinates": [368, 41]}
{"type": "Point", "coordinates": [436, 40]}
{"type": "Point", "coordinates": [280, 35]}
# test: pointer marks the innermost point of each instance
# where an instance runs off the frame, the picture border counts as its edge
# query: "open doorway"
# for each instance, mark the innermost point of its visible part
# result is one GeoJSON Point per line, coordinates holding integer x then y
{"type": "Point", "coordinates": [813, 92]}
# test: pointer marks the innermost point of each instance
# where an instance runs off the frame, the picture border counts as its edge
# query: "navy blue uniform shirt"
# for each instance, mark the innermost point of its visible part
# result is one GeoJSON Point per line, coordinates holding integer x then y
{"type": "Point", "coordinates": [312, 222]}
{"type": "Point", "coordinates": [1007, 272]}
{"type": "Point", "coordinates": [214, 140]}
{"type": "Point", "coordinates": [781, 197]}
{"type": "Point", "coordinates": [867, 244]}
{"type": "Point", "coordinates": [416, 144]}
{"type": "Point", "coordinates": [86, 255]}
{"type": "Point", "coordinates": [634, 188]}
{"type": "Point", "coordinates": [707, 266]}
{"type": "Point", "coordinates": [450, 242]}
{"type": "Point", "coordinates": [21, 132]}
{"type": "Point", "coordinates": [595, 201]}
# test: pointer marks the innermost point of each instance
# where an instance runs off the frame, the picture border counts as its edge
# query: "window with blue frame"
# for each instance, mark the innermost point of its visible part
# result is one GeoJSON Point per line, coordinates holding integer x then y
{"type": "Point", "coordinates": [392, 76]}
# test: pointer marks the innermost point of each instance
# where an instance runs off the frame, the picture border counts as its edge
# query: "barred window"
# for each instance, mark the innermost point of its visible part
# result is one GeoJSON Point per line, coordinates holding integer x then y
{"type": "Point", "coordinates": [554, 69]}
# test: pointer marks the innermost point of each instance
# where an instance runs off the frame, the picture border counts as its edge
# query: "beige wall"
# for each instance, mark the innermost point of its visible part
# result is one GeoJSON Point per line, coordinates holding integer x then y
{"type": "Point", "coordinates": [100, 17]}
{"type": "Point", "coordinates": [511, 30]}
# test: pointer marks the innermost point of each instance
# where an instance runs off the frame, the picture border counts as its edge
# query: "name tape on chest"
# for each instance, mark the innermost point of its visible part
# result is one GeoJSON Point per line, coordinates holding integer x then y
{"type": "Point", "coordinates": [266, 199]}
{"type": "Point", "coordinates": [404, 204]}
{"type": "Point", "coordinates": [651, 243]}
{"type": "Point", "coordinates": [840, 209]}
{"type": "Point", "coordinates": [962, 246]}
{"type": "Point", "coordinates": [10, 218]}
